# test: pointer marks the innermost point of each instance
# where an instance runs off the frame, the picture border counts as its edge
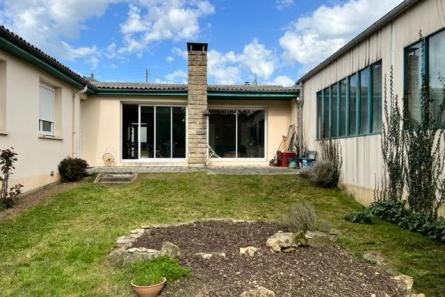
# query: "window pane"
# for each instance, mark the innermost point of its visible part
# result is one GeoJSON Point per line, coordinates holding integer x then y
{"type": "Point", "coordinates": [334, 110]}
{"type": "Point", "coordinates": [343, 110]}
{"type": "Point", "coordinates": [163, 132]}
{"type": "Point", "coordinates": [326, 113]}
{"type": "Point", "coordinates": [376, 98]}
{"type": "Point", "coordinates": [46, 104]}
{"type": "Point", "coordinates": [437, 70]}
{"type": "Point", "coordinates": [364, 88]}
{"type": "Point", "coordinates": [319, 115]}
{"type": "Point", "coordinates": [179, 132]}
{"type": "Point", "coordinates": [46, 126]}
{"type": "Point", "coordinates": [250, 133]}
{"type": "Point", "coordinates": [413, 79]}
{"type": "Point", "coordinates": [147, 132]}
{"type": "Point", "coordinates": [130, 124]}
{"type": "Point", "coordinates": [222, 132]}
{"type": "Point", "coordinates": [352, 104]}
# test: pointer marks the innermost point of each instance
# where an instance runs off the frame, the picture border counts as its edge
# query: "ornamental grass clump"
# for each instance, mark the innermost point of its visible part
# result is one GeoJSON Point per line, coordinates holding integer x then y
{"type": "Point", "coordinates": [301, 217]}
{"type": "Point", "coordinates": [145, 273]}
{"type": "Point", "coordinates": [326, 172]}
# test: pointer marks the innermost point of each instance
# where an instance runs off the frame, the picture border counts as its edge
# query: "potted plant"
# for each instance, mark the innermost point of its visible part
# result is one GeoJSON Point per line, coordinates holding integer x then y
{"type": "Point", "coordinates": [148, 285]}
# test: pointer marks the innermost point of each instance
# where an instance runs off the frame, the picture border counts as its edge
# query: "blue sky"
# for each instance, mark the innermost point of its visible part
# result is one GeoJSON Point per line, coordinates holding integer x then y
{"type": "Point", "coordinates": [273, 40]}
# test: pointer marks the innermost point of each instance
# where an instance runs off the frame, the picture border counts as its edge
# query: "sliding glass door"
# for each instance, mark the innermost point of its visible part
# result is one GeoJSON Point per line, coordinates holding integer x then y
{"type": "Point", "coordinates": [237, 133]}
{"type": "Point", "coordinates": [153, 132]}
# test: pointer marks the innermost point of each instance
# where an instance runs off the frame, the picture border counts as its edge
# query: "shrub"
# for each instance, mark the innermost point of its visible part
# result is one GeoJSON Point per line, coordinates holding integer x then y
{"type": "Point", "coordinates": [8, 196]}
{"type": "Point", "coordinates": [395, 212]}
{"type": "Point", "coordinates": [301, 217]}
{"type": "Point", "coordinates": [361, 217]}
{"type": "Point", "coordinates": [151, 272]}
{"type": "Point", "coordinates": [72, 169]}
{"type": "Point", "coordinates": [325, 174]}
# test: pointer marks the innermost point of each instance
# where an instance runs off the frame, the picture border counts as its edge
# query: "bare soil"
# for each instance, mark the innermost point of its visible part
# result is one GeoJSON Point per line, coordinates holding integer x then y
{"type": "Point", "coordinates": [308, 271]}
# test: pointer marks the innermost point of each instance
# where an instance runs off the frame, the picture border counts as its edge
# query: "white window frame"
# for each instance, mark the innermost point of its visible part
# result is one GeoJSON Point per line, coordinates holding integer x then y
{"type": "Point", "coordinates": [236, 108]}
{"type": "Point", "coordinates": [41, 131]}
{"type": "Point", "coordinates": [156, 159]}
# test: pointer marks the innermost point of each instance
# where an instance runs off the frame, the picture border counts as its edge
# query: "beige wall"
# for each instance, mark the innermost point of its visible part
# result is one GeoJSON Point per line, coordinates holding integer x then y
{"type": "Point", "coordinates": [279, 117]}
{"type": "Point", "coordinates": [362, 158]}
{"type": "Point", "coordinates": [101, 127]}
{"type": "Point", "coordinates": [38, 158]}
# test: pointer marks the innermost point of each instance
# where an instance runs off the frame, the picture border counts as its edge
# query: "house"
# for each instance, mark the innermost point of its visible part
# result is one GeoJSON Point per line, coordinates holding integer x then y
{"type": "Point", "coordinates": [343, 96]}
{"type": "Point", "coordinates": [48, 112]}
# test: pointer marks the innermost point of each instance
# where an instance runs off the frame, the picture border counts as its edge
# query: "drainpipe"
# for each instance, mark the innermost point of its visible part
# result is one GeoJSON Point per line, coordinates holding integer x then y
{"type": "Point", "coordinates": [300, 117]}
{"type": "Point", "coordinates": [76, 121]}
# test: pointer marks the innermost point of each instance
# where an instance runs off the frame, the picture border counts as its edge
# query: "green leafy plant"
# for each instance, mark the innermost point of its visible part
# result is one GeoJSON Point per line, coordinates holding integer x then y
{"type": "Point", "coordinates": [145, 273]}
{"type": "Point", "coordinates": [72, 169]}
{"type": "Point", "coordinates": [361, 217]}
{"type": "Point", "coordinates": [8, 195]}
{"type": "Point", "coordinates": [301, 217]}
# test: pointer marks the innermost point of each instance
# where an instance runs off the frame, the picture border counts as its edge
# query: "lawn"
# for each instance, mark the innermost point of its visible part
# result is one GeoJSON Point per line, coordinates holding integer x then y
{"type": "Point", "coordinates": [58, 248]}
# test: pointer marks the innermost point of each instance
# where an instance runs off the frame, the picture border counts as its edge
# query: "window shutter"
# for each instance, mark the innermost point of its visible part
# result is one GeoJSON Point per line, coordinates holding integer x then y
{"type": "Point", "coordinates": [46, 104]}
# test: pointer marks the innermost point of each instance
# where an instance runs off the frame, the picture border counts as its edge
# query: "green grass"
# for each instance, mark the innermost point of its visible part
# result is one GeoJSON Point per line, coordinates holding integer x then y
{"type": "Point", "coordinates": [58, 248]}
{"type": "Point", "coordinates": [146, 273]}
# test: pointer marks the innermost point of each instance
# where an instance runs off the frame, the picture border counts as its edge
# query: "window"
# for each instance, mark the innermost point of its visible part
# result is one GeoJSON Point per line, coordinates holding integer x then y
{"type": "Point", "coordinates": [364, 89]}
{"type": "Point", "coordinates": [352, 106]}
{"type": "Point", "coordinates": [237, 133]}
{"type": "Point", "coordinates": [436, 46]}
{"type": "Point", "coordinates": [353, 83]}
{"type": "Point", "coordinates": [377, 98]}
{"type": "Point", "coordinates": [46, 109]}
{"type": "Point", "coordinates": [334, 108]}
{"type": "Point", "coordinates": [413, 79]}
{"type": "Point", "coordinates": [343, 109]}
{"type": "Point", "coordinates": [153, 132]}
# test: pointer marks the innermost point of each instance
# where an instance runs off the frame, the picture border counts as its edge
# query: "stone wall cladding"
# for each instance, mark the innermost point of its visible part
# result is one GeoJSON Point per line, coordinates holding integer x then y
{"type": "Point", "coordinates": [197, 105]}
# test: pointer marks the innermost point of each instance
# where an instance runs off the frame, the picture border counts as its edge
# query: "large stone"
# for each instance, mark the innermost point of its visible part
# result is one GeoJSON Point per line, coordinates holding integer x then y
{"type": "Point", "coordinates": [416, 295]}
{"type": "Point", "coordinates": [374, 258]}
{"type": "Point", "coordinates": [170, 249]}
{"type": "Point", "coordinates": [281, 241]}
{"type": "Point", "coordinates": [208, 256]}
{"type": "Point", "coordinates": [404, 282]}
{"type": "Point", "coordinates": [250, 251]}
{"type": "Point", "coordinates": [258, 292]}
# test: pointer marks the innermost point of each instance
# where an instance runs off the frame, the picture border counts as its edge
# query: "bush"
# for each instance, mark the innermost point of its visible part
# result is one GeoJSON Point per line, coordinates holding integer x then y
{"type": "Point", "coordinates": [301, 217]}
{"type": "Point", "coordinates": [361, 217]}
{"type": "Point", "coordinates": [8, 195]}
{"type": "Point", "coordinates": [151, 272]}
{"type": "Point", "coordinates": [324, 174]}
{"type": "Point", "coordinates": [395, 212]}
{"type": "Point", "coordinates": [72, 169]}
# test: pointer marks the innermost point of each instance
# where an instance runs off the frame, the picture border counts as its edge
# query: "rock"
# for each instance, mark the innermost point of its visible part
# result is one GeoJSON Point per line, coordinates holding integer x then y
{"type": "Point", "coordinates": [281, 240]}
{"type": "Point", "coordinates": [374, 258]}
{"type": "Point", "coordinates": [207, 256]}
{"type": "Point", "coordinates": [258, 292]}
{"type": "Point", "coordinates": [250, 251]}
{"type": "Point", "coordinates": [404, 282]}
{"type": "Point", "coordinates": [416, 295]}
{"type": "Point", "coordinates": [170, 249]}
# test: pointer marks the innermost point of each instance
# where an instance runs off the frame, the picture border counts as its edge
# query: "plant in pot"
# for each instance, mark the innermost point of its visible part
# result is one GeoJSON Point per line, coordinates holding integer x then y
{"type": "Point", "coordinates": [150, 277]}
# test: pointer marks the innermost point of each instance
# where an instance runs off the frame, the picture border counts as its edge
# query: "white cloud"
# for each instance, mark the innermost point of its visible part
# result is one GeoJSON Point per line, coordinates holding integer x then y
{"type": "Point", "coordinates": [283, 4]}
{"type": "Point", "coordinates": [283, 80]}
{"type": "Point", "coordinates": [178, 77]}
{"type": "Point", "coordinates": [156, 20]}
{"type": "Point", "coordinates": [170, 59]}
{"type": "Point", "coordinates": [223, 68]}
{"type": "Point", "coordinates": [310, 39]}
{"type": "Point", "coordinates": [49, 23]}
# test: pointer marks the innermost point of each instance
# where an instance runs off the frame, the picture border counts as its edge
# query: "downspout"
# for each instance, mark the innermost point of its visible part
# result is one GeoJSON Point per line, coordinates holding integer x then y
{"type": "Point", "coordinates": [76, 121]}
{"type": "Point", "coordinates": [300, 117]}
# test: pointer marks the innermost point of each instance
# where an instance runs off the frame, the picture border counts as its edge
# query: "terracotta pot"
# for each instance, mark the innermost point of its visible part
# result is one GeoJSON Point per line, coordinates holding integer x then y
{"type": "Point", "coordinates": [149, 291]}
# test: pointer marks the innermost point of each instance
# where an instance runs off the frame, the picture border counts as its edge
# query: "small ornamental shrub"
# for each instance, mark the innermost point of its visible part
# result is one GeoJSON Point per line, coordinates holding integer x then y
{"type": "Point", "coordinates": [72, 169]}
{"type": "Point", "coordinates": [301, 217]}
{"type": "Point", "coordinates": [324, 174]}
{"type": "Point", "coordinates": [8, 195]}
{"type": "Point", "coordinates": [145, 273]}
{"type": "Point", "coordinates": [361, 217]}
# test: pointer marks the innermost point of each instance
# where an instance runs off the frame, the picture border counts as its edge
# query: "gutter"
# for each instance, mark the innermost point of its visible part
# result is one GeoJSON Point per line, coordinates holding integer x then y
{"type": "Point", "coordinates": [385, 20]}
{"type": "Point", "coordinates": [76, 121]}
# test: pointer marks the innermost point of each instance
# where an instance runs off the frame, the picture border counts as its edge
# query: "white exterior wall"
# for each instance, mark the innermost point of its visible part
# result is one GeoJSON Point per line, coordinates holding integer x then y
{"type": "Point", "coordinates": [38, 158]}
{"type": "Point", "coordinates": [362, 160]}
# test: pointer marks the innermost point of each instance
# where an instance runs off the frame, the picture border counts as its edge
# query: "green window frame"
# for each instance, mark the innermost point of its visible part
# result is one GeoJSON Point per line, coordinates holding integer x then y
{"type": "Point", "coordinates": [352, 106]}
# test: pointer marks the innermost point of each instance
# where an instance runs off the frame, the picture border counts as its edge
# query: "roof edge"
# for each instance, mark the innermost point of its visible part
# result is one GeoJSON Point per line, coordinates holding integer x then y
{"type": "Point", "coordinates": [379, 24]}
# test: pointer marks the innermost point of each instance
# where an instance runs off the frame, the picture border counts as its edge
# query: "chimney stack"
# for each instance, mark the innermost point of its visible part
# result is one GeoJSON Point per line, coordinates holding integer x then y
{"type": "Point", "coordinates": [197, 104]}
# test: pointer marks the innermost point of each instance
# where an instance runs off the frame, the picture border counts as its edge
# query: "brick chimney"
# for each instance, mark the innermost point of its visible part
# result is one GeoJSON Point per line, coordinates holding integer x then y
{"type": "Point", "coordinates": [197, 103]}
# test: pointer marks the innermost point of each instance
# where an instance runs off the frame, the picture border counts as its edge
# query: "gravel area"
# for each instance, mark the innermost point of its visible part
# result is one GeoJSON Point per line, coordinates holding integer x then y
{"type": "Point", "coordinates": [308, 271]}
